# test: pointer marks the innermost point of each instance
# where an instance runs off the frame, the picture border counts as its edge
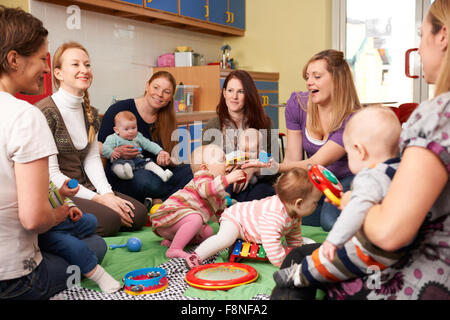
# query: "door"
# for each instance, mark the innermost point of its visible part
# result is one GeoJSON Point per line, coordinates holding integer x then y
{"type": "Point", "coordinates": [375, 36]}
{"type": "Point", "coordinates": [218, 11]}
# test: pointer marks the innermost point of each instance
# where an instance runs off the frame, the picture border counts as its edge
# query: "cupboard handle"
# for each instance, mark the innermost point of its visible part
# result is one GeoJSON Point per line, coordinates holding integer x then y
{"type": "Point", "coordinates": [207, 11]}
{"type": "Point", "coordinates": [228, 17]}
{"type": "Point", "coordinates": [232, 17]}
{"type": "Point", "coordinates": [149, 1]}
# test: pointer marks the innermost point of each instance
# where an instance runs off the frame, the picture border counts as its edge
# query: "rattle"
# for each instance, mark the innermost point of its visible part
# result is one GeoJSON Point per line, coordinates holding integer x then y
{"type": "Point", "coordinates": [145, 281]}
{"type": "Point", "coordinates": [326, 182]}
{"type": "Point", "coordinates": [133, 244]}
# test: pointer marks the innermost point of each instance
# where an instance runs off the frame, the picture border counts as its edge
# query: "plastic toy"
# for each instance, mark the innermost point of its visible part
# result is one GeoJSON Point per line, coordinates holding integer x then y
{"type": "Point", "coordinates": [133, 244]}
{"type": "Point", "coordinates": [264, 157]}
{"type": "Point", "coordinates": [242, 249]}
{"type": "Point", "coordinates": [145, 281]}
{"type": "Point", "coordinates": [236, 157]}
{"type": "Point", "coordinates": [73, 183]}
{"type": "Point", "coordinates": [326, 182]}
{"type": "Point", "coordinates": [221, 276]}
{"type": "Point", "coordinates": [154, 208]}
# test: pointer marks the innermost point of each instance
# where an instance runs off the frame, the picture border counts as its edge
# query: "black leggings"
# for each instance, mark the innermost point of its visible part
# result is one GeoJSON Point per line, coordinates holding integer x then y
{"type": "Point", "coordinates": [293, 293]}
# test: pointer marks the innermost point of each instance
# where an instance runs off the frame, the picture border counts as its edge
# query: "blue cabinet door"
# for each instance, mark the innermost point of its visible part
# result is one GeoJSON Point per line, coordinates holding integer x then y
{"type": "Point", "coordinates": [136, 2]}
{"type": "Point", "coordinates": [237, 13]}
{"type": "Point", "coordinates": [218, 11]}
{"type": "Point", "coordinates": [164, 5]}
{"type": "Point", "coordinates": [197, 9]}
{"type": "Point", "coordinates": [272, 112]}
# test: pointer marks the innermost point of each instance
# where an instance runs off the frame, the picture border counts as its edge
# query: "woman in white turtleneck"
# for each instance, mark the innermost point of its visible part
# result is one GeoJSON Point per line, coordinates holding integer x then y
{"type": "Point", "coordinates": [75, 124]}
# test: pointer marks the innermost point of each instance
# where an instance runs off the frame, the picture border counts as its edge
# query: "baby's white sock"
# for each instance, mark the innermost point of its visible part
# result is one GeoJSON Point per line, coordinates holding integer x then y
{"type": "Point", "coordinates": [104, 280]}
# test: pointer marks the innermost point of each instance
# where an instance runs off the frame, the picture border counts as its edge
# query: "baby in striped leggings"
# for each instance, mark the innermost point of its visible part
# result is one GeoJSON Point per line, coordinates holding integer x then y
{"type": "Point", "coordinates": [371, 140]}
{"type": "Point", "coordinates": [265, 221]}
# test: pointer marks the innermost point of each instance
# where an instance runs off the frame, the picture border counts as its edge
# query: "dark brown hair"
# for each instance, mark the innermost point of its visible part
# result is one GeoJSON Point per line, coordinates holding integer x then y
{"type": "Point", "coordinates": [254, 114]}
{"type": "Point", "coordinates": [166, 122]}
{"type": "Point", "coordinates": [19, 31]}
{"type": "Point", "coordinates": [292, 185]}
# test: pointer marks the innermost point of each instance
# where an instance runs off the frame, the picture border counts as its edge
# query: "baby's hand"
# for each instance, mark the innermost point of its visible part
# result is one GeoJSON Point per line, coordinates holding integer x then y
{"type": "Point", "coordinates": [66, 192]}
{"type": "Point", "coordinates": [345, 199]}
{"type": "Point", "coordinates": [75, 214]}
{"type": "Point", "coordinates": [163, 158]}
{"type": "Point", "coordinates": [328, 250]}
{"type": "Point", "coordinates": [236, 176]}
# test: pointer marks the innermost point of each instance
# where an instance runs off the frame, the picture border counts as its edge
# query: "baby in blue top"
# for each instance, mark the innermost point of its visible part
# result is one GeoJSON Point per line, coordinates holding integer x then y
{"type": "Point", "coordinates": [125, 133]}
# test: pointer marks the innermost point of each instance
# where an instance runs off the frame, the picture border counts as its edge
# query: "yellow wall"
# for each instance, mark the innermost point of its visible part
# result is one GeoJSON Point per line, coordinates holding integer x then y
{"type": "Point", "coordinates": [16, 3]}
{"type": "Point", "coordinates": [281, 36]}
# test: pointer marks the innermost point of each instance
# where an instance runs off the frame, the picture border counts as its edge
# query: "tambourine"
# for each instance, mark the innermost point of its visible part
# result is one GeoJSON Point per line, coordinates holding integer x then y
{"type": "Point", "coordinates": [326, 182]}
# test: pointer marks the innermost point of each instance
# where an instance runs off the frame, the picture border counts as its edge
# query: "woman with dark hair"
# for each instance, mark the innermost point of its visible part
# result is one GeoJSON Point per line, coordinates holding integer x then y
{"type": "Point", "coordinates": [74, 124]}
{"type": "Point", "coordinates": [155, 117]}
{"type": "Point", "coordinates": [240, 108]}
{"type": "Point", "coordinates": [26, 142]}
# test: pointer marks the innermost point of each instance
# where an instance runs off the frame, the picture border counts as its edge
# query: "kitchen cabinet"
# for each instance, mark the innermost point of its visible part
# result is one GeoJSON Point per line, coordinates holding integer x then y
{"type": "Point", "coordinates": [197, 9]}
{"type": "Point", "coordinates": [217, 17]}
{"type": "Point", "coordinates": [163, 5]}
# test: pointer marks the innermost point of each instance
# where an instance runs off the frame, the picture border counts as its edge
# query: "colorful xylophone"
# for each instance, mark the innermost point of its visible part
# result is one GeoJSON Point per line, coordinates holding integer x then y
{"type": "Point", "coordinates": [242, 249]}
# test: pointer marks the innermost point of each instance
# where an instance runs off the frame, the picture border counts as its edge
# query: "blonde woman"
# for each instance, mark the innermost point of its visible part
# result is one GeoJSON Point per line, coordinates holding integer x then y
{"type": "Point", "coordinates": [315, 122]}
{"type": "Point", "coordinates": [74, 124]}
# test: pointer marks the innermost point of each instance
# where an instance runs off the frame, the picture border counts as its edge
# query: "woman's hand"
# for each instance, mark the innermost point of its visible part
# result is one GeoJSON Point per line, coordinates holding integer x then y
{"type": "Point", "coordinates": [271, 167]}
{"type": "Point", "coordinates": [127, 152]}
{"type": "Point", "coordinates": [123, 207]}
{"type": "Point", "coordinates": [163, 158]}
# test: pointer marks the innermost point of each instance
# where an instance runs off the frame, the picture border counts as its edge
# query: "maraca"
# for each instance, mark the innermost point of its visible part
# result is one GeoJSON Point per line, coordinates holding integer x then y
{"type": "Point", "coordinates": [133, 244]}
{"type": "Point", "coordinates": [326, 182]}
{"type": "Point", "coordinates": [73, 183]}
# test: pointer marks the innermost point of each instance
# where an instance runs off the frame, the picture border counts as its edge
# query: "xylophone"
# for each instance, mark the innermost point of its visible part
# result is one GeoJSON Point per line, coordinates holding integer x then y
{"type": "Point", "coordinates": [243, 249]}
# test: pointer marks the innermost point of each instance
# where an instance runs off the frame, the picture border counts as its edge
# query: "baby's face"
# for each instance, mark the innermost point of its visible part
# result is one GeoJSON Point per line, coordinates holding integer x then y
{"type": "Point", "coordinates": [217, 166]}
{"type": "Point", "coordinates": [250, 147]}
{"type": "Point", "coordinates": [126, 129]}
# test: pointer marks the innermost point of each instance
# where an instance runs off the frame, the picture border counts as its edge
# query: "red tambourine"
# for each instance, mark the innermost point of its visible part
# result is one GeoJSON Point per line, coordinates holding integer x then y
{"type": "Point", "coordinates": [221, 276]}
{"type": "Point", "coordinates": [326, 182]}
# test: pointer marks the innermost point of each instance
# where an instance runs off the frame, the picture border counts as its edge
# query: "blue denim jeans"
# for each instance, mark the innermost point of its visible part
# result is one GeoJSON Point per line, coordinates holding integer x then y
{"type": "Point", "coordinates": [49, 277]}
{"type": "Point", "coordinates": [147, 184]}
{"type": "Point", "coordinates": [326, 213]}
{"type": "Point", "coordinates": [64, 240]}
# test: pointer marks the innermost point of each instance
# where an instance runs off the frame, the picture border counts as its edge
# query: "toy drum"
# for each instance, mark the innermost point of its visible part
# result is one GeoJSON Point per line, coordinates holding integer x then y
{"type": "Point", "coordinates": [145, 281]}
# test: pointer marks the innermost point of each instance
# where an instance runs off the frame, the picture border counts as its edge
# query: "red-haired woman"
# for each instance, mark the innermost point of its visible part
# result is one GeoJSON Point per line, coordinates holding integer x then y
{"type": "Point", "coordinates": [240, 108]}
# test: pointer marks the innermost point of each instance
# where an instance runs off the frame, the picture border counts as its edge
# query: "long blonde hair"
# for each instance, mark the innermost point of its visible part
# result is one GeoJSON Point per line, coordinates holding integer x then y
{"type": "Point", "coordinates": [439, 15]}
{"type": "Point", "coordinates": [343, 95]}
{"type": "Point", "coordinates": [57, 62]}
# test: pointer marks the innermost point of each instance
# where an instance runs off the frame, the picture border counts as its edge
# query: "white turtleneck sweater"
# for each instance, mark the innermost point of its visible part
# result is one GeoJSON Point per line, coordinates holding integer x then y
{"type": "Point", "coordinates": [72, 112]}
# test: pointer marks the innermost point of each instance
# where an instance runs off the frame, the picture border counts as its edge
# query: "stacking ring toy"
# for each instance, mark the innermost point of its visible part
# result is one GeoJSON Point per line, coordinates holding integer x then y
{"type": "Point", "coordinates": [326, 182]}
{"type": "Point", "coordinates": [221, 276]}
{"type": "Point", "coordinates": [145, 281]}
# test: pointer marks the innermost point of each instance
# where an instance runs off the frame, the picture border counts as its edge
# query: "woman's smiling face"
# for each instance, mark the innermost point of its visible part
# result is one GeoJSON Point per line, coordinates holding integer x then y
{"type": "Point", "coordinates": [319, 82]}
{"type": "Point", "coordinates": [159, 92]}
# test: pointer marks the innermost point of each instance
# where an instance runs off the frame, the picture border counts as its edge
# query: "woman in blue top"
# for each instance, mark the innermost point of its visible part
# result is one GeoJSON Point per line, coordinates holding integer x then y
{"type": "Point", "coordinates": [155, 117]}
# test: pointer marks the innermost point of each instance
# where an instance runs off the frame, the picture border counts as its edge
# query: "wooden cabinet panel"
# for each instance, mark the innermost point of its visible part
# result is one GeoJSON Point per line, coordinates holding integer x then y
{"type": "Point", "coordinates": [163, 5]}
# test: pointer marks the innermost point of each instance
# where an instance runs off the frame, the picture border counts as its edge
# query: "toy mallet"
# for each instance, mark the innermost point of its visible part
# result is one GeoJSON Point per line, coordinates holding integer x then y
{"type": "Point", "coordinates": [133, 244]}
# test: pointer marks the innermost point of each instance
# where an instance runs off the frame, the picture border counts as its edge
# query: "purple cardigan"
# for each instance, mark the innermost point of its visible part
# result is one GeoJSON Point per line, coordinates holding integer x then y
{"type": "Point", "coordinates": [296, 120]}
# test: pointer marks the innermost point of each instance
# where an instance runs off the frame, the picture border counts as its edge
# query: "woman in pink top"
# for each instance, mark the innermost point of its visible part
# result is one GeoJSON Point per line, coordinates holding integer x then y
{"type": "Point", "coordinates": [265, 221]}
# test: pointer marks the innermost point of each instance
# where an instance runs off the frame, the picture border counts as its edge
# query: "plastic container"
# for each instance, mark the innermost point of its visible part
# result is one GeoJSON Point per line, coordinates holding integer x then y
{"type": "Point", "coordinates": [184, 98]}
{"type": "Point", "coordinates": [166, 60]}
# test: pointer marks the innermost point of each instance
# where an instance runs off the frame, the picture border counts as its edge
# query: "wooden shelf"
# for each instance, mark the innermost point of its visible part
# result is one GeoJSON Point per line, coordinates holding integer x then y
{"type": "Point", "coordinates": [125, 10]}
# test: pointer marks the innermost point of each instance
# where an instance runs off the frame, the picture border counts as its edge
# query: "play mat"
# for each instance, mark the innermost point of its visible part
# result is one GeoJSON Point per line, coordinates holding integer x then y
{"type": "Point", "coordinates": [120, 261]}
